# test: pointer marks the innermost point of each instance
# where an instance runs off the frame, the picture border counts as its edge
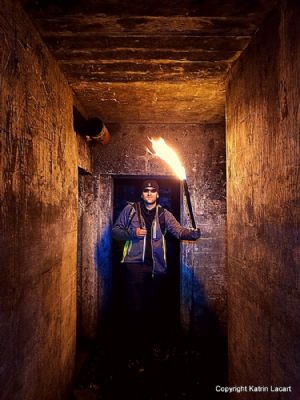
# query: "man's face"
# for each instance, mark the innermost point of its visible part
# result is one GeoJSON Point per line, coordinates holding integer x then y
{"type": "Point", "coordinates": [150, 195]}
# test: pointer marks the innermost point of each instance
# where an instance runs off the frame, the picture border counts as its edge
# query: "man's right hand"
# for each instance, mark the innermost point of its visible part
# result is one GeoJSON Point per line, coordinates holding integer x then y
{"type": "Point", "coordinates": [195, 233]}
{"type": "Point", "coordinates": [140, 233]}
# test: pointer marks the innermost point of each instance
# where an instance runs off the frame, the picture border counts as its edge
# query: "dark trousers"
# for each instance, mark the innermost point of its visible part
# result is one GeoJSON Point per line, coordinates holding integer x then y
{"type": "Point", "coordinates": [145, 307]}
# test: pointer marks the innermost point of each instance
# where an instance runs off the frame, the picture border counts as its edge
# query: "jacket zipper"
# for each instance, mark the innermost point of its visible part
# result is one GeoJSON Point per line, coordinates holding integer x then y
{"type": "Point", "coordinates": [144, 248]}
{"type": "Point", "coordinates": [153, 222]}
{"type": "Point", "coordinates": [144, 243]}
{"type": "Point", "coordinates": [152, 251]}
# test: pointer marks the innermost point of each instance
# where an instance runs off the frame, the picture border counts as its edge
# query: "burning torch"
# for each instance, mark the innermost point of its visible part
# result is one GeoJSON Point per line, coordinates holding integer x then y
{"type": "Point", "coordinates": [166, 153]}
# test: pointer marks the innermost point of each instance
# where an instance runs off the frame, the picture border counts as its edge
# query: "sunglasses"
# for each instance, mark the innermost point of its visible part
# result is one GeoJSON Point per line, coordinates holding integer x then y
{"type": "Point", "coordinates": [149, 190]}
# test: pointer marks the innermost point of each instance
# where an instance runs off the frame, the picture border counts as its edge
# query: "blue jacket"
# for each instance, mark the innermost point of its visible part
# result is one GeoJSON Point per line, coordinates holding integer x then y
{"type": "Point", "coordinates": [134, 248]}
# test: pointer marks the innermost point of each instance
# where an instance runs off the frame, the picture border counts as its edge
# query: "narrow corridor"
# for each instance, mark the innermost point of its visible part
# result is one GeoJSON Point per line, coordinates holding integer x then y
{"type": "Point", "coordinates": [84, 85]}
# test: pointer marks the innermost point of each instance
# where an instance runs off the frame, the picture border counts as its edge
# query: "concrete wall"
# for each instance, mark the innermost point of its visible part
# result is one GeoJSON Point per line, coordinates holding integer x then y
{"type": "Point", "coordinates": [38, 216]}
{"type": "Point", "coordinates": [263, 152]}
{"type": "Point", "coordinates": [93, 277]}
{"type": "Point", "coordinates": [202, 148]}
{"type": "Point", "coordinates": [87, 277]}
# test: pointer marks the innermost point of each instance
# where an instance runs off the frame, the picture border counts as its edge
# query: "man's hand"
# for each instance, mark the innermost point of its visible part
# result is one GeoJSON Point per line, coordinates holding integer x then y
{"type": "Point", "coordinates": [140, 233]}
{"type": "Point", "coordinates": [195, 233]}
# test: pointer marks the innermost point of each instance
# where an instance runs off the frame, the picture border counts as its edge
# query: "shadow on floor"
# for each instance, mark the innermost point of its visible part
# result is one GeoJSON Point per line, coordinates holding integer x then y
{"type": "Point", "coordinates": [186, 368]}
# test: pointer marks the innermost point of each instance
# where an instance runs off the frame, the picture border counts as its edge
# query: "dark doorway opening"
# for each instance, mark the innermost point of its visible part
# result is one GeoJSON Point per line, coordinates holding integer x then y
{"type": "Point", "coordinates": [128, 189]}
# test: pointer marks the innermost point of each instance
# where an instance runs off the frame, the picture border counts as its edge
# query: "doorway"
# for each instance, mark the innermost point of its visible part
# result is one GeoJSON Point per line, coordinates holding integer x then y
{"type": "Point", "coordinates": [128, 189]}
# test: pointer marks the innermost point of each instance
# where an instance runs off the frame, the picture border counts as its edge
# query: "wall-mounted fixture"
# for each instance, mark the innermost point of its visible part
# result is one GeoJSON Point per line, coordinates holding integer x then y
{"type": "Point", "coordinates": [92, 128]}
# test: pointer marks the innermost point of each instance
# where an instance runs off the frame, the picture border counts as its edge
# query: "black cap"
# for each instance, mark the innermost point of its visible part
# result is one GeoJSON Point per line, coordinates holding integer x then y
{"type": "Point", "coordinates": [150, 183]}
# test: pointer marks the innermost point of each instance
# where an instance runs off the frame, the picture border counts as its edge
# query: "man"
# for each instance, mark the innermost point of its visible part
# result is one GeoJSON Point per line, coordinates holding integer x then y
{"type": "Point", "coordinates": [143, 226]}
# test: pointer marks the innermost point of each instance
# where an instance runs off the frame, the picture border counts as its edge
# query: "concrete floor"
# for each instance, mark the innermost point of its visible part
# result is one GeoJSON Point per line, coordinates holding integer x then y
{"type": "Point", "coordinates": [184, 369]}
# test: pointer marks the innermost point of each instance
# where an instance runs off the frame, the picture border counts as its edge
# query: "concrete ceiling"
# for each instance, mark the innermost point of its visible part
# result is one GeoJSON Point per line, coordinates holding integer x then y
{"type": "Point", "coordinates": [153, 61]}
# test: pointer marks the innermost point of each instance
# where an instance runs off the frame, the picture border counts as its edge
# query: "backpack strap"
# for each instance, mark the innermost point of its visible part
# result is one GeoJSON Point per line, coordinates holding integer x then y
{"type": "Point", "coordinates": [136, 208]}
{"type": "Point", "coordinates": [139, 214]}
{"type": "Point", "coordinates": [131, 214]}
{"type": "Point", "coordinates": [161, 218]}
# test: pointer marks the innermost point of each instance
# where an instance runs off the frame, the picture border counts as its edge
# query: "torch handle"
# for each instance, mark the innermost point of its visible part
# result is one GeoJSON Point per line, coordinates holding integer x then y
{"type": "Point", "coordinates": [189, 204]}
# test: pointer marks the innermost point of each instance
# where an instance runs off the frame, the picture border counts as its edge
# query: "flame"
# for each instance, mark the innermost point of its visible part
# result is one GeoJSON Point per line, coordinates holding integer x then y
{"type": "Point", "coordinates": [166, 153]}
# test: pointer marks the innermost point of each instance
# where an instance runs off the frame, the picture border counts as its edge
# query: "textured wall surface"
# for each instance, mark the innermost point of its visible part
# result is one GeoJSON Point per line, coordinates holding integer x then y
{"type": "Point", "coordinates": [38, 217]}
{"type": "Point", "coordinates": [263, 149]}
{"type": "Point", "coordinates": [202, 148]}
{"type": "Point", "coordinates": [94, 255]}
{"type": "Point", "coordinates": [87, 276]}
{"type": "Point", "coordinates": [84, 156]}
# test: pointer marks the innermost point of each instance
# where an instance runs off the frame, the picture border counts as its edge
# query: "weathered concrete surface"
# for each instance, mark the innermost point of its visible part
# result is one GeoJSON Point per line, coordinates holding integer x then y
{"type": "Point", "coordinates": [94, 277]}
{"type": "Point", "coordinates": [156, 61]}
{"type": "Point", "coordinates": [104, 248]}
{"type": "Point", "coordinates": [84, 154]}
{"type": "Point", "coordinates": [38, 216]}
{"type": "Point", "coordinates": [83, 148]}
{"type": "Point", "coordinates": [87, 276]}
{"type": "Point", "coordinates": [124, 102]}
{"type": "Point", "coordinates": [202, 149]}
{"type": "Point", "coordinates": [263, 151]}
